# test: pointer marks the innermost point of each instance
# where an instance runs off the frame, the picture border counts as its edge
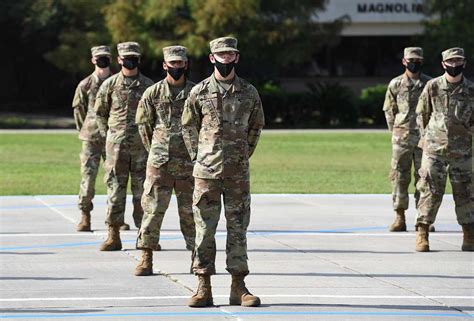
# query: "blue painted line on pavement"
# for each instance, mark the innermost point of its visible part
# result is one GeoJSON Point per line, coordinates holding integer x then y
{"type": "Point", "coordinates": [21, 207]}
{"type": "Point", "coordinates": [339, 230]}
{"type": "Point", "coordinates": [75, 244]}
{"type": "Point", "coordinates": [257, 233]}
{"type": "Point", "coordinates": [245, 313]}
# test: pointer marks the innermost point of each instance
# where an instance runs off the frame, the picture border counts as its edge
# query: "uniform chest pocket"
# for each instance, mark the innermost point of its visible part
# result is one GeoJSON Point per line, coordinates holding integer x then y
{"type": "Point", "coordinates": [463, 110]}
{"type": "Point", "coordinates": [403, 98]}
{"type": "Point", "coordinates": [176, 113]}
{"type": "Point", "coordinates": [163, 111]}
{"type": "Point", "coordinates": [92, 93]}
{"type": "Point", "coordinates": [120, 97]}
{"type": "Point", "coordinates": [243, 110]}
{"type": "Point", "coordinates": [135, 94]}
{"type": "Point", "coordinates": [414, 97]}
{"type": "Point", "coordinates": [440, 105]}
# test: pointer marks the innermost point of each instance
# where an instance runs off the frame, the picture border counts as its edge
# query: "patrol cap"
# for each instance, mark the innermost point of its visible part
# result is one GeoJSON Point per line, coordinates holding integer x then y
{"type": "Point", "coordinates": [455, 52]}
{"type": "Point", "coordinates": [175, 53]}
{"type": "Point", "coordinates": [130, 48]}
{"type": "Point", "coordinates": [223, 44]}
{"type": "Point", "coordinates": [100, 51]}
{"type": "Point", "coordinates": [413, 52]}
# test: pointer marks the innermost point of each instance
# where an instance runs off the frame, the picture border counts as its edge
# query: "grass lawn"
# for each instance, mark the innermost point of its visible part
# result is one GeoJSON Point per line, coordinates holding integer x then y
{"type": "Point", "coordinates": [40, 164]}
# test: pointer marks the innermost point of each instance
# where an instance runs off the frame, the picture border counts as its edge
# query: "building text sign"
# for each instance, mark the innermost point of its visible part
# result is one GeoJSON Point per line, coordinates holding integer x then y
{"type": "Point", "coordinates": [366, 11]}
{"type": "Point", "coordinates": [389, 7]}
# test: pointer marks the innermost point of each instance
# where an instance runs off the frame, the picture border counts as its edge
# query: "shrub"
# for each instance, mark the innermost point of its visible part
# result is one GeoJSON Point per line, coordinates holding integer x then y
{"type": "Point", "coordinates": [336, 104]}
{"type": "Point", "coordinates": [325, 105]}
{"type": "Point", "coordinates": [370, 105]}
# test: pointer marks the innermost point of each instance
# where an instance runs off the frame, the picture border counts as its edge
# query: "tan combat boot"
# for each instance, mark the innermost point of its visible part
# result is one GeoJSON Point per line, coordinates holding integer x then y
{"type": "Point", "coordinates": [145, 266]}
{"type": "Point", "coordinates": [240, 295]}
{"type": "Point", "coordinates": [113, 242]}
{"type": "Point", "coordinates": [468, 237]}
{"type": "Point", "coordinates": [85, 223]}
{"type": "Point", "coordinates": [422, 243]}
{"type": "Point", "coordinates": [399, 225]}
{"type": "Point", "coordinates": [203, 295]}
{"type": "Point", "coordinates": [432, 228]}
{"type": "Point", "coordinates": [124, 227]}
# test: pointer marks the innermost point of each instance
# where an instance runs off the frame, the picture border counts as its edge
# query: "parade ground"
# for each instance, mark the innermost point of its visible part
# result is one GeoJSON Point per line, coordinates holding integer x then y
{"type": "Point", "coordinates": [311, 257]}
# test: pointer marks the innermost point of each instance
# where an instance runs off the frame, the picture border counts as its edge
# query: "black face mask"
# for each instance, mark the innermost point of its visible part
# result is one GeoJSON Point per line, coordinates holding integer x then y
{"type": "Point", "coordinates": [224, 69]}
{"type": "Point", "coordinates": [102, 62]}
{"type": "Point", "coordinates": [175, 73]}
{"type": "Point", "coordinates": [130, 63]}
{"type": "Point", "coordinates": [414, 67]}
{"type": "Point", "coordinates": [454, 71]}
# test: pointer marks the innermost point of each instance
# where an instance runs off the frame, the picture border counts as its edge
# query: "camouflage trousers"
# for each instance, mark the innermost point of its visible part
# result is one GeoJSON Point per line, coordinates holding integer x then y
{"type": "Point", "coordinates": [207, 208]}
{"type": "Point", "coordinates": [434, 171]}
{"type": "Point", "coordinates": [122, 160]}
{"type": "Point", "coordinates": [158, 187]}
{"type": "Point", "coordinates": [403, 157]}
{"type": "Point", "coordinates": [90, 156]}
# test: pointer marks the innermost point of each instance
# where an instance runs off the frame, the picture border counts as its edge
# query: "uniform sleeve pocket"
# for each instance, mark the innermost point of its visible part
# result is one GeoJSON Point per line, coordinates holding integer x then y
{"type": "Point", "coordinates": [209, 107]}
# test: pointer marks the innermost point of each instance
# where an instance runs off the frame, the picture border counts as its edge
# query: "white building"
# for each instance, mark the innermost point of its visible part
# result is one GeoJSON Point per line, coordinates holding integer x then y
{"type": "Point", "coordinates": [371, 44]}
{"type": "Point", "coordinates": [376, 17]}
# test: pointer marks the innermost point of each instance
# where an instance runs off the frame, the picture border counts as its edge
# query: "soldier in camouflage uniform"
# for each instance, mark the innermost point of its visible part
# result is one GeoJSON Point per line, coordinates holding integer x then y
{"type": "Point", "coordinates": [92, 142]}
{"type": "Point", "coordinates": [399, 107]}
{"type": "Point", "coordinates": [222, 121]}
{"type": "Point", "coordinates": [169, 166]}
{"type": "Point", "coordinates": [116, 107]}
{"type": "Point", "coordinates": [446, 120]}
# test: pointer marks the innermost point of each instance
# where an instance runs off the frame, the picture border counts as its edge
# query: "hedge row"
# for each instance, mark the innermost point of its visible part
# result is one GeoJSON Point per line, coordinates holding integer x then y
{"type": "Point", "coordinates": [325, 105]}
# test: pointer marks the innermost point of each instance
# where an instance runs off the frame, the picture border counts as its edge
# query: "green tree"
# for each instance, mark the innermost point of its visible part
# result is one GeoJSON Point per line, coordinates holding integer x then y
{"type": "Point", "coordinates": [449, 24]}
{"type": "Point", "coordinates": [40, 70]}
{"type": "Point", "coordinates": [274, 33]}
{"type": "Point", "coordinates": [68, 29]}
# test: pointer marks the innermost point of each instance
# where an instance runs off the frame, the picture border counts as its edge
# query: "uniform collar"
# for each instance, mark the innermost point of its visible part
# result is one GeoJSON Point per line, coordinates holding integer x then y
{"type": "Point", "coordinates": [136, 83]}
{"type": "Point", "coordinates": [236, 84]}
{"type": "Point", "coordinates": [461, 88]}
{"type": "Point", "coordinates": [413, 82]}
{"type": "Point", "coordinates": [97, 79]}
{"type": "Point", "coordinates": [182, 94]}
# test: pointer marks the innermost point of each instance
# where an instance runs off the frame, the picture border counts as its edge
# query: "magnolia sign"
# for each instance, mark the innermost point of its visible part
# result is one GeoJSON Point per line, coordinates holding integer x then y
{"type": "Point", "coordinates": [373, 10]}
{"type": "Point", "coordinates": [389, 8]}
{"type": "Point", "coordinates": [376, 17]}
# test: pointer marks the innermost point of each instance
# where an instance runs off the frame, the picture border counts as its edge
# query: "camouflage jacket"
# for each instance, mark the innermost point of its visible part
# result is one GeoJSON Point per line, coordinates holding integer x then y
{"type": "Point", "coordinates": [400, 108]}
{"type": "Point", "coordinates": [159, 123]}
{"type": "Point", "coordinates": [116, 106]}
{"type": "Point", "coordinates": [446, 119]}
{"type": "Point", "coordinates": [83, 106]}
{"type": "Point", "coordinates": [221, 131]}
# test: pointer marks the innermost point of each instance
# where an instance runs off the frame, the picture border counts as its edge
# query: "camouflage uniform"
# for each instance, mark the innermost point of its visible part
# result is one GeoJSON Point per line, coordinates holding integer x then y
{"type": "Point", "coordinates": [446, 119]}
{"type": "Point", "coordinates": [399, 107]}
{"type": "Point", "coordinates": [92, 141]}
{"type": "Point", "coordinates": [221, 130]}
{"type": "Point", "coordinates": [169, 166]}
{"type": "Point", "coordinates": [116, 107]}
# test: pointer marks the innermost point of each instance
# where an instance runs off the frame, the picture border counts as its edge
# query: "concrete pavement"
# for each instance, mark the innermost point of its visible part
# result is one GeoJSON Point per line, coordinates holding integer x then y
{"type": "Point", "coordinates": [311, 257]}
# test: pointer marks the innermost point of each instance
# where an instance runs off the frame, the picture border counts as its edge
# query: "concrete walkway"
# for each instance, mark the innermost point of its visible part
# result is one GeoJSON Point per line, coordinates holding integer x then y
{"type": "Point", "coordinates": [311, 257]}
